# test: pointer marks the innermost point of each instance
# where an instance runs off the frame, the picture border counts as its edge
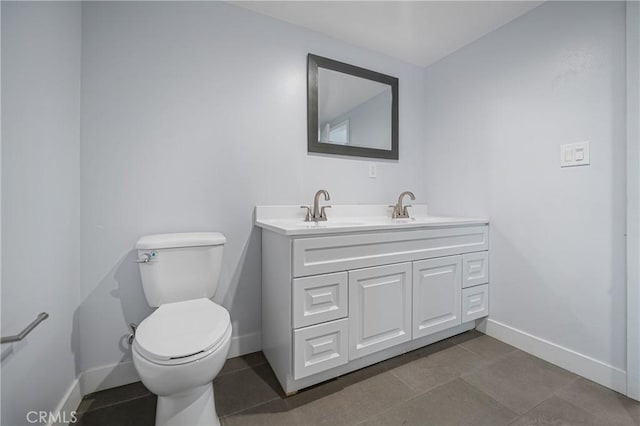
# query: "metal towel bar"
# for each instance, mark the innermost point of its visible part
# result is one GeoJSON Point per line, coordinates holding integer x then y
{"type": "Point", "coordinates": [16, 338]}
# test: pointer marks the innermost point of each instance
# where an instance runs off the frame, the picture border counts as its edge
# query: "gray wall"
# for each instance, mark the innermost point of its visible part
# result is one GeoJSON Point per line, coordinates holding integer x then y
{"type": "Point", "coordinates": [192, 114]}
{"type": "Point", "coordinates": [40, 202]}
{"type": "Point", "coordinates": [497, 111]}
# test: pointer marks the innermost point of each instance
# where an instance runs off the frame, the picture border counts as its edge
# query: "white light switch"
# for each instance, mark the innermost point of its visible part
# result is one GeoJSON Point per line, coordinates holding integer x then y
{"type": "Point", "coordinates": [574, 154]}
{"type": "Point", "coordinates": [373, 170]}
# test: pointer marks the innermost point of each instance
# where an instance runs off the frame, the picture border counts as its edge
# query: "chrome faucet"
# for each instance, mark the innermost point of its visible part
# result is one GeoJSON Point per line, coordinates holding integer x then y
{"type": "Point", "coordinates": [317, 215]}
{"type": "Point", "coordinates": [400, 211]}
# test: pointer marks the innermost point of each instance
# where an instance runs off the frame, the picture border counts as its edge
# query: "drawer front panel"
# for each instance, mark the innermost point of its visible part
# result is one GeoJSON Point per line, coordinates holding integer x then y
{"type": "Point", "coordinates": [319, 299]}
{"type": "Point", "coordinates": [475, 302]}
{"type": "Point", "coordinates": [321, 255]}
{"type": "Point", "coordinates": [475, 269]}
{"type": "Point", "coordinates": [320, 347]}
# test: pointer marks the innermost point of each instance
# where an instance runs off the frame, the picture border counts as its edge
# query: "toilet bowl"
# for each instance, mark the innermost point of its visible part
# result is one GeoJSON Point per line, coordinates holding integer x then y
{"type": "Point", "coordinates": [167, 358]}
{"type": "Point", "coordinates": [181, 347]}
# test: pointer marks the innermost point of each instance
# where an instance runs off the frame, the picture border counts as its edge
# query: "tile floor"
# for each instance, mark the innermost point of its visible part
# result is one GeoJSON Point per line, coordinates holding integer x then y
{"type": "Point", "coordinates": [469, 379]}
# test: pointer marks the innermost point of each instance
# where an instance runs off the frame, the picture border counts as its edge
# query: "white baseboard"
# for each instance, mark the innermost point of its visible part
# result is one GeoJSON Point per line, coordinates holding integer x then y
{"type": "Point", "coordinates": [583, 365]}
{"type": "Point", "coordinates": [108, 376]}
{"type": "Point", "coordinates": [69, 403]}
{"type": "Point", "coordinates": [245, 344]}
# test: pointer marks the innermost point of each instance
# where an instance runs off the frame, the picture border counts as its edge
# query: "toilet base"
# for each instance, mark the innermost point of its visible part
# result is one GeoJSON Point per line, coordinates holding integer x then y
{"type": "Point", "coordinates": [191, 407]}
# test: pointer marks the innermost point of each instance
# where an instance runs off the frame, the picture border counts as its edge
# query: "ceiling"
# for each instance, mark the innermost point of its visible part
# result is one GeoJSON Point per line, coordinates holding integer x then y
{"type": "Point", "coordinates": [417, 32]}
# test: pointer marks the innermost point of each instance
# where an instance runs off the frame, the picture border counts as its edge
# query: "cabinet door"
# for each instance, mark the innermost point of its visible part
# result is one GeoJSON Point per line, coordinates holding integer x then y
{"type": "Point", "coordinates": [437, 294]}
{"type": "Point", "coordinates": [379, 308]}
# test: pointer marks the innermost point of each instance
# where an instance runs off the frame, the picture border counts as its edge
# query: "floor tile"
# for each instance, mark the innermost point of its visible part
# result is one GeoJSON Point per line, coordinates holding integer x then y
{"type": "Point", "coordinates": [520, 381]}
{"type": "Point", "coordinates": [610, 406]}
{"type": "Point", "coordinates": [463, 337]}
{"type": "Point", "coordinates": [349, 399]}
{"type": "Point", "coordinates": [405, 358]}
{"type": "Point", "coordinates": [482, 344]}
{"type": "Point", "coordinates": [135, 412]}
{"type": "Point", "coordinates": [112, 396]}
{"type": "Point", "coordinates": [242, 362]}
{"type": "Point", "coordinates": [430, 369]}
{"type": "Point", "coordinates": [274, 413]}
{"type": "Point", "coordinates": [555, 412]}
{"type": "Point", "coordinates": [455, 403]}
{"type": "Point", "coordinates": [244, 389]}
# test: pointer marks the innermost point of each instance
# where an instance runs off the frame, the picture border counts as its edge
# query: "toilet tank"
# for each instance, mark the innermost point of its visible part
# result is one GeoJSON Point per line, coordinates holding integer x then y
{"type": "Point", "coordinates": [180, 267]}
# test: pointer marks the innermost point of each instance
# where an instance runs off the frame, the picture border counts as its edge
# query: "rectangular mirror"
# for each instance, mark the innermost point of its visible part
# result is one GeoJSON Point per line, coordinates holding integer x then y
{"type": "Point", "coordinates": [351, 110]}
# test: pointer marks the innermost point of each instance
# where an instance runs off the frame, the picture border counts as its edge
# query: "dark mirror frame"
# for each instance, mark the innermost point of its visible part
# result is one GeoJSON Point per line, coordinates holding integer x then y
{"type": "Point", "coordinates": [313, 62]}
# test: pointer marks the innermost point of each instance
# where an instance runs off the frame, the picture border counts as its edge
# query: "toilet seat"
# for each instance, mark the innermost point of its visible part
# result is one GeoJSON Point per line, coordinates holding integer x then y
{"type": "Point", "coordinates": [182, 332]}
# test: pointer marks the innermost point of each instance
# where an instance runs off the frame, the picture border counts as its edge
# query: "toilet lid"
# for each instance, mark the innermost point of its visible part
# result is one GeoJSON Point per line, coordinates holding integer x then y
{"type": "Point", "coordinates": [182, 329]}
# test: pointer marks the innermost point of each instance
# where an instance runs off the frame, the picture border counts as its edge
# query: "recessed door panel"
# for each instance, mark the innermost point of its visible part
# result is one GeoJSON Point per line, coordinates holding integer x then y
{"type": "Point", "coordinates": [475, 302]}
{"type": "Point", "coordinates": [379, 308]}
{"type": "Point", "coordinates": [475, 268]}
{"type": "Point", "coordinates": [319, 298]}
{"type": "Point", "coordinates": [436, 295]}
{"type": "Point", "coordinates": [319, 348]}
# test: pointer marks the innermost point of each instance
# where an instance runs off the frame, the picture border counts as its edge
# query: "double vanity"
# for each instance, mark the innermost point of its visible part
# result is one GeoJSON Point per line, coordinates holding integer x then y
{"type": "Point", "coordinates": [361, 286]}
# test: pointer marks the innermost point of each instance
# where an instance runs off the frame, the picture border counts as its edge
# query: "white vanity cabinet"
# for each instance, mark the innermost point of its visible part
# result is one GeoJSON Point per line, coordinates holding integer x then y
{"type": "Point", "coordinates": [336, 301]}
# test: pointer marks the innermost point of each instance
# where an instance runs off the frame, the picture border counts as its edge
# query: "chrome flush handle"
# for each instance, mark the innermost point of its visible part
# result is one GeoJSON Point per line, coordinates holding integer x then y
{"type": "Point", "coordinates": [146, 257]}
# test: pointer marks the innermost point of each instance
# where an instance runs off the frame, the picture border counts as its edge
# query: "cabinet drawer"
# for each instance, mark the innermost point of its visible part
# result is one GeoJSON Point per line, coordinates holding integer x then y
{"type": "Point", "coordinates": [319, 299]}
{"type": "Point", "coordinates": [321, 255]}
{"type": "Point", "coordinates": [475, 269]}
{"type": "Point", "coordinates": [319, 348]}
{"type": "Point", "coordinates": [475, 302]}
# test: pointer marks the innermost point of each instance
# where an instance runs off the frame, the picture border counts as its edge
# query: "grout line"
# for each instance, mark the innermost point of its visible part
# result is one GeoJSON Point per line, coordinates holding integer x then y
{"type": "Point", "coordinates": [586, 409]}
{"type": "Point", "coordinates": [262, 362]}
{"type": "Point", "coordinates": [249, 408]}
{"type": "Point", "coordinates": [122, 401]}
{"type": "Point", "coordinates": [531, 409]}
{"type": "Point", "coordinates": [404, 401]}
{"type": "Point", "coordinates": [480, 355]}
{"type": "Point", "coordinates": [241, 369]}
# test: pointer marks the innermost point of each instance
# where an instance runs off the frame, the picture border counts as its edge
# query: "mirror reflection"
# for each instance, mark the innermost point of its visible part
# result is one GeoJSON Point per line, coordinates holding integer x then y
{"type": "Point", "coordinates": [353, 111]}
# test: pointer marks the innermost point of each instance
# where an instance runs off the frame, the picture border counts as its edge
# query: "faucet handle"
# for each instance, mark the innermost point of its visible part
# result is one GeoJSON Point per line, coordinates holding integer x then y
{"type": "Point", "coordinates": [405, 212]}
{"type": "Point", "coordinates": [307, 215]}
{"type": "Point", "coordinates": [323, 214]}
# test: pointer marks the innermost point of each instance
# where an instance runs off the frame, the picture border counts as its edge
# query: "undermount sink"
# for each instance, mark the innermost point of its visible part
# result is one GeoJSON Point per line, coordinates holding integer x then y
{"type": "Point", "coordinates": [288, 220]}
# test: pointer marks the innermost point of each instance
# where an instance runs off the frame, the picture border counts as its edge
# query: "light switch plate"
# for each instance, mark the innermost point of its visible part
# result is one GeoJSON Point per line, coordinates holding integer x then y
{"type": "Point", "coordinates": [574, 154]}
{"type": "Point", "coordinates": [373, 170]}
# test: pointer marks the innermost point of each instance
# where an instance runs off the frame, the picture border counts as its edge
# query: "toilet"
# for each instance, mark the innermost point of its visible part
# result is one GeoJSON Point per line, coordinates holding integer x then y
{"type": "Point", "coordinates": [181, 347]}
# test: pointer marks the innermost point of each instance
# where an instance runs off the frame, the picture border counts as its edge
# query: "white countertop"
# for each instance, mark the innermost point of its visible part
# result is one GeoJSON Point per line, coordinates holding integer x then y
{"type": "Point", "coordinates": [289, 220]}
